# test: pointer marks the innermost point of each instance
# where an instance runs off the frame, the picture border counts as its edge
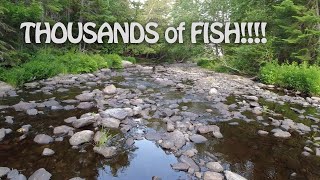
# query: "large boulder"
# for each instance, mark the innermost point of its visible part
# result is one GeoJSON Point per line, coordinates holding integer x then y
{"type": "Point", "coordinates": [81, 137]}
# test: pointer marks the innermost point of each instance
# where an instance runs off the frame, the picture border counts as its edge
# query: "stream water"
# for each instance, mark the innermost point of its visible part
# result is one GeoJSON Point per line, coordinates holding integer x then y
{"type": "Point", "coordinates": [241, 150]}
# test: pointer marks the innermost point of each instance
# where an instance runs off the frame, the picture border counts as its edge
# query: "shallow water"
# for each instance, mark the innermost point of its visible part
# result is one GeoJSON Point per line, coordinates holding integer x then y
{"type": "Point", "coordinates": [241, 150]}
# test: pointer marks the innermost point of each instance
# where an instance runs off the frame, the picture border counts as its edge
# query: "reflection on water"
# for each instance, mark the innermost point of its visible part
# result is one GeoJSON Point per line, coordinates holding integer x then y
{"type": "Point", "coordinates": [255, 157]}
{"type": "Point", "coordinates": [146, 161]}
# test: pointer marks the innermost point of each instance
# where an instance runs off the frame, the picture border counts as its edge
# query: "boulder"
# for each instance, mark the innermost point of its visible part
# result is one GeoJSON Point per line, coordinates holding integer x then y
{"type": "Point", "coordinates": [233, 176]}
{"type": "Point", "coordinates": [198, 139]}
{"type": "Point", "coordinates": [214, 166]}
{"type": "Point", "coordinates": [61, 130]}
{"type": "Point", "coordinates": [212, 176]}
{"type": "Point", "coordinates": [117, 113]}
{"type": "Point", "coordinates": [111, 89]}
{"type": "Point", "coordinates": [180, 166]}
{"type": "Point", "coordinates": [83, 122]}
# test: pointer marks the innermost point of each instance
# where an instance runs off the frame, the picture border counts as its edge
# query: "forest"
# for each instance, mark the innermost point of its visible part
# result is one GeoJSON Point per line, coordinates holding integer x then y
{"type": "Point", "coordinates": [289, 59]}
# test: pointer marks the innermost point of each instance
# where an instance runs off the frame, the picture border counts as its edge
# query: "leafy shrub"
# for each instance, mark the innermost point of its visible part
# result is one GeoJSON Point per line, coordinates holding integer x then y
{"type": "Point", "coordinates": [206, 63]}
{"type": "Point", "coordinates": [114, 60]}
{"type": "Point", "coordinates": [303, 78]}
{"type": "Point", "coordinates": [131, 59]}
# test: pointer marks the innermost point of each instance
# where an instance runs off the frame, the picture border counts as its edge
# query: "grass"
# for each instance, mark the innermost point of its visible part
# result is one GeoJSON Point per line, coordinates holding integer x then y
{"type": "Point", "coordinates": [104, 138]}
{"type": "Point", "coordinates": [302, 77]}
{"type": "Point", "coordinates": [48, 63]}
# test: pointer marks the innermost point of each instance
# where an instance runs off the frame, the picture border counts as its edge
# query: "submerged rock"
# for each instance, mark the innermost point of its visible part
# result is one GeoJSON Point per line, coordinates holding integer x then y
{"type": "Point", "coordinates": [180, 166]}
{"type": "Point", "coordinates": [107, 152]}
{"type": "Point", "coordinates": [40, 174]}
{"type": "Point", "coordinates": [81, 137]}
{"type": "Point", "coordinates": [43, 139]}
{"type": "Point", "coordinates": [189, 162]}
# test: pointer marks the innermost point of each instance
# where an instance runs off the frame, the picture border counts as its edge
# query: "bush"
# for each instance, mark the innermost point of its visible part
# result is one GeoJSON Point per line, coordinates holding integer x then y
{"type": "Point", "coordinates": [114, 60]}
{"type": "Point", "coordinates": [303, 78]}
{"type": "Point", "coordinates": [206, 63]}
{"type": "Point", "coordinates": [131, 59]}
{"type": "Point", "coordinates": [47, 63]}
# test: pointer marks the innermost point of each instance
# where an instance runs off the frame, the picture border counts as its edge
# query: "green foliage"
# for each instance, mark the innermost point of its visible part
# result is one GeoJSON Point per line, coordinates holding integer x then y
{"type": "Point", "coordinates": [206, 63]}
{"type": "Point", "coordinates": [131, 59]}
{"type": "Point", "coordinates": [300, 77]}
{"type": "Point", "coordinates": [104, 138]}
{"type": "Point", "coordinates": [48, 62]}
{"type": "Point", "coordinates": [114, 60]}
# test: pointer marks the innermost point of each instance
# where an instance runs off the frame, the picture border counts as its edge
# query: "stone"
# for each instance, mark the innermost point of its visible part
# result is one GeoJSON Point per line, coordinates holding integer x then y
{"type": "Point", "coordinates": [40, 174]}
{"type": "Point", "coordinates": [126, 64]}
{"type": "Point", "coordinates": [77, 178]}
{"type": "Point", "coordinates": [252, 98]}
{"type": "Point", "coordinates": [47, 152]}
{"type": "Point", "coordinates": [24, 106]}
{"type": "Point", "coordinates": [180, 166]}
{"type": "Point", "coordinates": [110, 123]}
{"type": "Point", "coordinates": [233, 176]}
{"type": "Point", "coordinates": [213, 91]}
{"type": "Point", "coordinates": [117, 113]}
{"type": "Point", "coordinates": [190, 152]}
{"type": "Point", "coordinates": [212, 176]}
{"type": "Point", "coordinates": [9, 119]}
{"type": "Point", "coordinates": [83, 122]}
{"type": "Point", "coordinates": [198, 139]}
{"type": "Point", "coordinates": [62, 130]}
{"type": "Point", "coordinates": [85, 105]}
{"type": "Point", "coordinates": [85, 97]}
{"type": "Point", "coordinates": [32, 112]}
{"type": "Point", "coordinates": [130, 142]}
{"type": "Point", "coordinates": [43, 139]}
{"type": "Point", "coordinates": [111, 89]}
{"type": "Point", "coordinates": [70, 120]}
{"type": "Point", "coordinates": [4, 171]}
{"type": "Point", "coordinates": [107, 152]}
{"type": "Point", "coordinates": [263, 133]}
{"type": "Point", "coordinates": [24, 129]}
{"type": "Point", "coordinates": [170, 126]}
{"type": "Point", "coordinates": [217, 135]}
{"type": "Point", "coordinates": [81, 137]}
{"type": "Point", "coordinates": [318, 152]}
{"type": "Point", "coordinates": [282, 134]}
{"type": "Point", "coordinates": [189, 162]}
{"type": "Point", "coordinates": [2, 133]}
{"type": "Point", "coordinates": [214, 166]}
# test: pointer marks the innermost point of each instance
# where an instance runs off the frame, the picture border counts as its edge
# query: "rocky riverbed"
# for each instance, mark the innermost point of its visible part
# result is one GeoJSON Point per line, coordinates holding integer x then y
{"type": "Point", "coordinates": [169, 122]}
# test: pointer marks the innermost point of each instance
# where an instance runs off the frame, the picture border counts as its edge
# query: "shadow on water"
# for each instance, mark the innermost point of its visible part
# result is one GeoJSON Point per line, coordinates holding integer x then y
{"type": "Point", "coordinates": [253, 156]}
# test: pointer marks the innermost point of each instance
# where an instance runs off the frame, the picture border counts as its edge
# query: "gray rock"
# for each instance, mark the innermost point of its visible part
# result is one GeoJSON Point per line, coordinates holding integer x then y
{"type": "Point", "coordinates": [83, 122]}
{"type": "Point", "coordinates": [117, 113]}
{"type": "Point", "coordinates": [130, 142]}
{"type": "Point", "coordinates": [263, 133]}
{"type": "Point", "coordinates": [2, 133]}
{"type": "Point", "coordinates": [24, 106]}
{"type": "Point", "coordinates": [252, 98]}
{"type": "Point", "coordinates": [32, 112]}
{"type": "Point", "coordinates": [212, 176]}
{"type": "Point", "coordinates": [177, 138]}
{"type": "Point", "coordinates": [217, 135]}
{"type": "Point", "coordinates": [213, 91]}
{"type": "Point", "coordinates": [189, 162]}
{"type": "Point", "coordinates": [81, 137]}
{"type": "Point", "coordinates": [110, 123]}
{"type": "Point", "coordinates": [47, 152]}
{"type": "Point", "coordinates": [85, 105]}
{"type": "Point", "coordinates": [43, 139]}
{"type": "Point", "coordinates": [13, 174]}
{"type": "Point", "coordinates": [9, 119]}
{"type": "Point", "coordinates": [317, 151]}
{"type": "Point", "coordinates": [107, 152]}
{"type": "Point", "coordinates": [77, 178]}
{"type": "Point", "coordinates": [214, 166]}
{"type": "Point", "coordinates": [85, 97]}
{"type": "Point", "coordinates": [62, 130]}
{"type": "Point", "coordinates": [25, 128]}
{"type": "Point", "coordinates": [233, 176]}
{"type": "Point", "coordinates": [198, 139]}
{"type": "Point", "coordinates": [40, 174]}
{"type": "Point", "coordinates": [4, 171]}
{"type": "Point", "coordinates": [282, 134]}
{"type": "Point", "coordinates": [170, 126]}
{"type": "Point", "coordinates": [180, 166]}
{"type": "Point", "coordinates": [111, 89]}
{"type": "Point", "coordinates": [70, 120]}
